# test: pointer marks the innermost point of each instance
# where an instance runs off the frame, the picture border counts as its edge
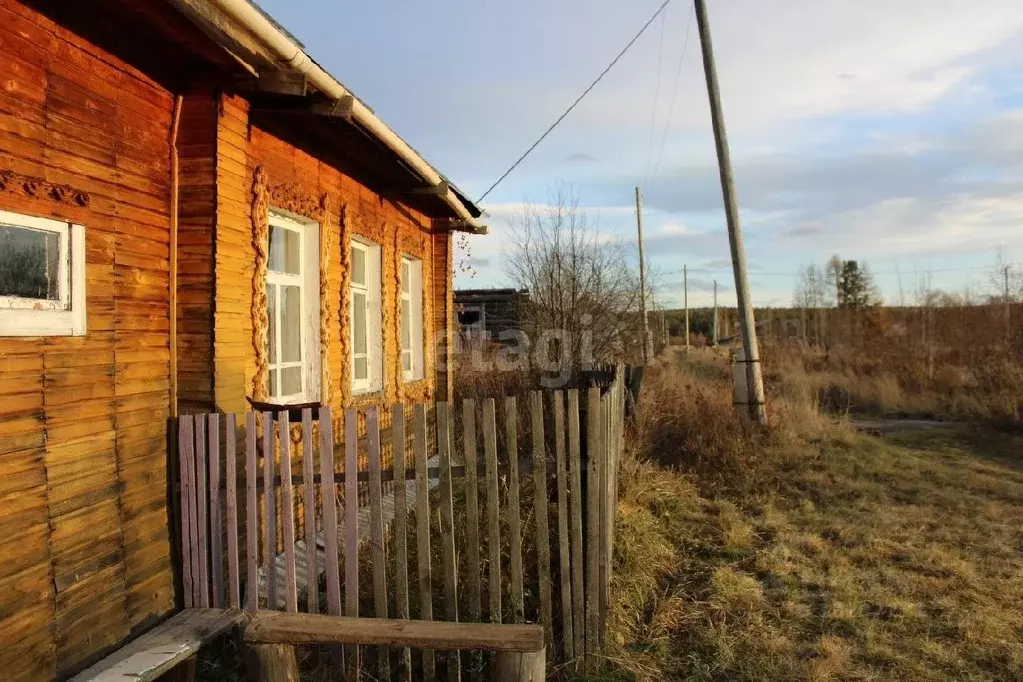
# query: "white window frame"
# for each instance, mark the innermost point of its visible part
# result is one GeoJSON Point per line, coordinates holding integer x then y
{"type": "Point", "coordinates": [374, 380]}
{"type": "Point", "coordinates": [414, 296]}
{"type": "Point", "coordinates": [20, 316]}
{"type": "Point", "coordinates": [308, 281]}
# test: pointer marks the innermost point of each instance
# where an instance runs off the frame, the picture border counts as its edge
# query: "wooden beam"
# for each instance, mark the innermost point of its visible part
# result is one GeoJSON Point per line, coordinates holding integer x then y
{"type": "Point", "coordinates": [226, 32]}
{"type": "Point", "coordinates": [275, 627]}
{"type": "Point", "coordinates": [282, 83]}
{"type": "Point", "coordinates": [438, 190]}
{"type": "Point", "coordinates": [458, 225]}
{"type": "Point", "coordinates": [341, 108]}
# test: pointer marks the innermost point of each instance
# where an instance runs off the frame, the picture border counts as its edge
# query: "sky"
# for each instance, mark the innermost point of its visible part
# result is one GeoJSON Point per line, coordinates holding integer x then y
{"type": "Point", "coordinates": [886, 132]}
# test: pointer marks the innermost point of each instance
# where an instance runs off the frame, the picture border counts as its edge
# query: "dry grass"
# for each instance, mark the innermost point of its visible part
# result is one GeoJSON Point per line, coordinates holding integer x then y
{"type": "Point", "coordinates": [810, 553]}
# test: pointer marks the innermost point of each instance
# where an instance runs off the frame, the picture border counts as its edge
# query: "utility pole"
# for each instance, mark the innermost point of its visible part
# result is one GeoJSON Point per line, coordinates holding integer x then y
{"type": "Point", "coordinates": [747, 324]}
{"type": "Point", "coordinates": [714, 338]}
{"type": "Point", "coordinates": [685, 288]}
{"type": "Point", "coordinates": [642, 279]}
{"type": "Point", "coordinates": [1008, 305]}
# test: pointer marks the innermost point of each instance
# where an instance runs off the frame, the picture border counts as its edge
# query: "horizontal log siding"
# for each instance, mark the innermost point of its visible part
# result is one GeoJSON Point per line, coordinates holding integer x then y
{"type": "Point", "coordinates": [86, 555]}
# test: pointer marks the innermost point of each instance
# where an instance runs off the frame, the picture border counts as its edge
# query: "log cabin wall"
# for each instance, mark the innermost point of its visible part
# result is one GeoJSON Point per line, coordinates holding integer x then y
{"type": "Point", "coordinates": [85, 559]}
{"type": "Point", "coordinates": [345, 208]}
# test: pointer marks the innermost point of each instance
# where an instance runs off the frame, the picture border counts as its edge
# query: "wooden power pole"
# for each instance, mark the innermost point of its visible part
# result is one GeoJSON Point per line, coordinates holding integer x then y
{"type": "Point", "coordinates": [747, 323]}
{"type": "Point", "coordinates": [714, 332]}
{"type": "Point", "coordinates": [642, 279]}
{"type": "Point", "coordinates": [1008, 305]}
{"type": "Point", "coordinates": [685, 289]}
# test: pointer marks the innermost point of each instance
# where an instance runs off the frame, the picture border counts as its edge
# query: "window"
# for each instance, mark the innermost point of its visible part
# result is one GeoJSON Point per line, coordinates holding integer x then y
{"type": "Point", "coordinates": [42, 277]}
{"type": "Point", "coordinates": [365, 323]}
{"type": "Point", "coordinates": [293, 309]}
{"type": "Point", "coordinates": [411, 319]}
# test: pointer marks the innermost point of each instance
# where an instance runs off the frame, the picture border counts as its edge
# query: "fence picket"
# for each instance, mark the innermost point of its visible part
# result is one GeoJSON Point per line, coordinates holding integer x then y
{"type": "Point", "coordinates": [593, 446]}
{"type": "Point", "coordinates": [472, 524]}
{"type": "Point", "coordinates": [564, 563]}
{"type": "Point", "coordinates": [447, 529]}
{"type": "Point", "coordinates": [493, 509]}
{"type": "Point", "coordinates": [288, 514]}
{"type": "Point", "coordinates": [200, 505]}
{"type": "Point", "coordinates": [231, 495]}
{"type": "Point", "coordinates": [216, 549]}
{"type": "Point", "coordinates": [270, 519]}
{"type": "Point", "coordinates": [376, 529]}
{"type": "Point", "coordinates": [423, 529]}
{"type": "Point", "coordinates": [543, 546]}
{"type": "Point", "coordinates": [187, 494]}
{"type": "Point", "coordinates": [251, 517]}
{"type": "Point", "coordinates": [511, 441]}
{"type": "Point", "coordinates": [576, 500]}
{"type": "Point", "coordinates": [328, 493]}
{"type": "Point", "coordinates": [352, 533]}
{"type": "Point", "coordinates": [309, 506]}
{"type": "Point", "coordinates": [400, 531]}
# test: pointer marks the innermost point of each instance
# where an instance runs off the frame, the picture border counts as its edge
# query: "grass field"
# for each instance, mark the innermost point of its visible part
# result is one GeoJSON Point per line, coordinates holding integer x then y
{"type": "Point", "coordinates": [812, 552]}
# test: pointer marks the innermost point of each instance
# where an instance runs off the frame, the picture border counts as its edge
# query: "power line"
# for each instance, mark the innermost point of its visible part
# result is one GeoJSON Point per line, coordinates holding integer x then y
{"type": "Point", "coordinates": [757, 273]}
{"type": "Point", "coordinates": [674, 94]}
{"type": "Point", "coordinates": [657, 99]}
{"type": "Point", "coordinates": [576, 102]}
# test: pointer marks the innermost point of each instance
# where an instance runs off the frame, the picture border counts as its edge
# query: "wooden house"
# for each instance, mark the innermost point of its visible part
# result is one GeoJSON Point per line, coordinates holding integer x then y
{"type": "Point", "coordinates": [194, 217]}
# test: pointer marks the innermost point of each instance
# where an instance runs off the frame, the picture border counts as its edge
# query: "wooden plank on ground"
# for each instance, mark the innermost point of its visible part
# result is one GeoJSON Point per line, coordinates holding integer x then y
{"type": "Point", "coordinates": [511, 443]}
{"type": "Point", "coordinates": [543, 546]}
{"type": "Point", "coordinates": [187, 494]}
{"type": "Point", "coordinates": [270, 518]}
{"type": "Point", "coordinates": [200, 505]}
{"type": "Point", "coordinates": [447, 529]}
{"type": "Point", "coordinates": [352, 533]}
{"type": "Point", "coordinates": [564, 553]}
{"type": "Point", "coordinates": [400, 531]}
{"type": "Point", "coordinates": [593, 495]}
{"type": "Point", "coordinates": [493, 509]}
{"type": "Point", "coordinates": [231, 472]}
{"type": "Point", "coordinates": [472, 524]}
{"type": "Point", "coordinates": [216, 528]}
{"type": "Point", "coordinates": [425, 578]}
{"type": "Point", "coordinates": [251, 516]}
{"type": "Point", "coordinates": [376, 529]}
{"type": "Point", "coordinates": [288, 515]}
{"type": "Point", "coordinates": [329, 496]}
{"type": "Point", "coordinates": [576, 499]}
{"type": "Point", "coordinates": [162, 648]}
{"type": "Point", "coordinates": [309, 506]}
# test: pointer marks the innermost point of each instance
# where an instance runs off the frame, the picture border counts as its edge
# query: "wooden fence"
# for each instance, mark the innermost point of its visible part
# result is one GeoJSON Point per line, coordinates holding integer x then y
{"type": "Point", "coordinates": [256, 533]}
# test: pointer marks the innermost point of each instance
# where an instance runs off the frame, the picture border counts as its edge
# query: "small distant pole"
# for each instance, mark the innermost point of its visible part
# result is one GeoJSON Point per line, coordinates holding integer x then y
{"type": "Point", "coordinates": [747, 324]}
{"type": "Point", "coordinates": [714, 338]}
{"type": "Point", "coordinates": [1008, 305]}
{"type": "Point", "coordinates": [685, 288]}
{"type": "Point", "coordinates": [642, 278]}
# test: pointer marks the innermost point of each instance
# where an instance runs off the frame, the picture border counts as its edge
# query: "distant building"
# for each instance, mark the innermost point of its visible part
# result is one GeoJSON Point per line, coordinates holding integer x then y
{"type": "Point", "coordinates": [486, 313]}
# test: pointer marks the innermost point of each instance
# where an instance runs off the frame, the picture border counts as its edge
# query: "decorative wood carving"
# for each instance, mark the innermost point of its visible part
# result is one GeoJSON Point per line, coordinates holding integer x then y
{"type": "Point", "coordinates": [350, 221]}
{"type": "Point", "coordinates": [326, 387]}
{"type": "Point", "coordinates": [260, 318]}
{"type": "Point", "coordinates": [39, 188]}
{"type": "Point", "coordinates": [291, 198]}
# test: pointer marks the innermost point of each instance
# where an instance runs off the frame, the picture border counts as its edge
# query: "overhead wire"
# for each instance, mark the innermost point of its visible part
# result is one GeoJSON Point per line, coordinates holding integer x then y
{"type": "Point", "coordinates": [657, 99]}
{"type": "Point", "coordinates": [576, 102]}
{"type": "Point", "coordinates": [674, 95]}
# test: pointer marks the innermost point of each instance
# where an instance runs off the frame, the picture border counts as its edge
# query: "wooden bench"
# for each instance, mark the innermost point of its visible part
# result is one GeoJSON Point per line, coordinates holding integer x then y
{"type": "Point", "coordinates": [165, 646]}
{"type": "Point", "coordinates": [271, 637]}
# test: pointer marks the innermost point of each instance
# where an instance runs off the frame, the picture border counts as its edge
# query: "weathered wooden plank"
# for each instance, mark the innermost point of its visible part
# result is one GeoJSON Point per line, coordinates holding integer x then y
{"type": "Point", "coordinates": [329, 495]}
{"type": "Point", "coordinates": [287, 513]}
{"type": "Point", "coordinates": [301, 628]}
{"type": "Point", "coordinates": [493, 509]}
{"type": "Point", "coordinates": [543, 546]}
{"type": "Point", "coordinates": [251, 516]}
{"type": "Point", "coordinates": [575, 471]}
{"type": "Point", "coordinates": [564, 562]}
{"type": "Point", "coordinates": [425, 577]}
{"type": "Point", "coordinates": [401, 596]}
{"type": "Point", "coordinates": [187, 493]}
{"type": "Point", "coordinates": [231, 473]}
{"type": "Point", "coordinates": [594, 436]}
{"type": "Point", "coordinates": [200, 505]}
{"type": "Point", "coordinates": [309, 506]}
{"type": "Point", "coordinates": [511, 444]}
{"type": "Point", "coordinates": [216, 527]}
{"type": "Point", "coordinates": [447, 529]}
{"type": "Point", "coordinates": [376, 529]}
{"type": "Point", "coordinates": [270, 517]}
{"type": "Point", "coordinates": [351, 533]}
{"type": "Point", "coordinates": [472, 523]}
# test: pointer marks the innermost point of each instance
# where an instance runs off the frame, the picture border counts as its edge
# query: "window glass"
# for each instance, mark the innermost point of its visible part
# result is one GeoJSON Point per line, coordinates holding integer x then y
{"type": "Point", "coordinates": [358, 266]}
{"type": "Point", "coordinates": [291, 324]}
{"type": "Point", "coordinates": [359, 322]}
{"type": "Point", "coordinates": [406, 277]}
{"type": "Point", "coordinates": [361, 369]}
{"type": "Point", "coordinates": [406, 323]}
{"type": "Point", "coordinates": [271, 313]}
{"type": "Point", "coordinates": [29, 263]}
{"type": "Point", "coordinates": [285, 250]}
{"type": "Point", "coordinates": [291, 380]}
